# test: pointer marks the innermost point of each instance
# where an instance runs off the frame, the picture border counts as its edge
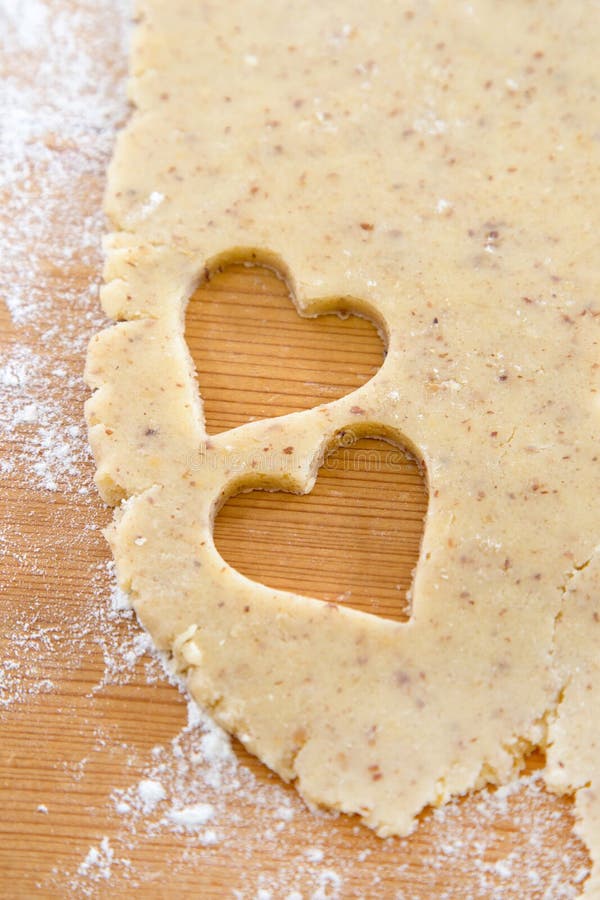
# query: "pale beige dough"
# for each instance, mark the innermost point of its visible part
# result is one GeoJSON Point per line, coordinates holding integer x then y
{"type": "Point", "coordinates": [437, 168]}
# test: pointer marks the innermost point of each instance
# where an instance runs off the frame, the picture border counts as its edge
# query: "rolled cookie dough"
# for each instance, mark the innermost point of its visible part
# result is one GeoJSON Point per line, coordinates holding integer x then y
{"type": "Point", "coordinates": [436, 167]}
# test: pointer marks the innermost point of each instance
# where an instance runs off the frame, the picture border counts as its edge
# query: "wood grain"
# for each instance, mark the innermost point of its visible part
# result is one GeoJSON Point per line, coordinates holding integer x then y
{"type": "Point", "coordinates": [71, 747]}
{"type": "Point", "coordinates": [256, 357]}
{"type": "Point", "coordinates": [355, 538]}
{"type": "Point", "coordinates": [80, 724]}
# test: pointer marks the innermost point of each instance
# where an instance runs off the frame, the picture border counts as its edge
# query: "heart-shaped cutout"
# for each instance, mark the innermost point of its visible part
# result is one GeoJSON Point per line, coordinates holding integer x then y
{"type": "Point", "coordinates": [353, 539]}
{"type": "Point", "coordinates": [256, 357]}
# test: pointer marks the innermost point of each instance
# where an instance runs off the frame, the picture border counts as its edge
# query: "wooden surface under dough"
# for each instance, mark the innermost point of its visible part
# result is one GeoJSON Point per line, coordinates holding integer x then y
{"type": "Point", "coordinates": [346, 539]}
{"type": "Point", "coordinates": [71, 747]}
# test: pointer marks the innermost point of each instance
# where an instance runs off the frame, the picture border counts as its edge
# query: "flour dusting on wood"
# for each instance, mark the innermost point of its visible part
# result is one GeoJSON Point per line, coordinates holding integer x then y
{"type": "Point", "coordinates": [191, 800]}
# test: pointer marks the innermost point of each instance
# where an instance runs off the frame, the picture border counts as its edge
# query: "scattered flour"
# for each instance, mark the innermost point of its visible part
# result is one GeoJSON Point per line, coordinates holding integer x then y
{"type": "Point", "coordinates": [150, 792]}
{"type": "Point", "coordinates": [97, 867]}
{"type": "Point", "coordinates": [195, 789]}
{"type": "Point", "coordinates": [190, 817]}
{"type": "Point", "coordinates": [98, 861]}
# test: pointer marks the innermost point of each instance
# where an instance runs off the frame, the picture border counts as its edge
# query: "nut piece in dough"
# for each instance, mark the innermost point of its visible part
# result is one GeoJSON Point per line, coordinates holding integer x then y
{"type": "Point", "coordinates": [434, 171]}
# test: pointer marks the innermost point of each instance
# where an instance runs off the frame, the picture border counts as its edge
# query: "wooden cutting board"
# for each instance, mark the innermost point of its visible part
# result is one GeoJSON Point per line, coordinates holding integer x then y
{"type": "Point", "coordinates": [82, 719]}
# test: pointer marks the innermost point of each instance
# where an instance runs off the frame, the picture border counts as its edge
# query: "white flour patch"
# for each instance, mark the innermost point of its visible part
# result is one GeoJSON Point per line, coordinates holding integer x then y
{"type": "Point", "coordinates": [192, 817]}
{"type": "Point", "coordinates": [97, 867]}
{"type": "Point", "coordinates": [98, 861]}
{"type": "Point", "coordinates": [150, 792]}
{"type": "Point", "coordinates": [193, 788]}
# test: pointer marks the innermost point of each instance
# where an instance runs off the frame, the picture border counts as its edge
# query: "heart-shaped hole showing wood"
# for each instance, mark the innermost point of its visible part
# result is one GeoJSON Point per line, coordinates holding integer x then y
{"type": "Point", "coordinates": [256, 357]}
{"type": "Point", "coordinates": [354, 539]}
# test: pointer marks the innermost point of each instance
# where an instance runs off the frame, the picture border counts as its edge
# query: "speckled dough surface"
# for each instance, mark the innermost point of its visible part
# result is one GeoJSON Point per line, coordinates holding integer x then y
{"type": "Point", "coordinates": [436, 166]}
